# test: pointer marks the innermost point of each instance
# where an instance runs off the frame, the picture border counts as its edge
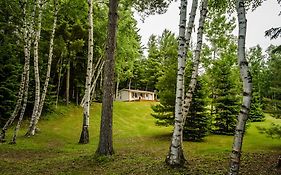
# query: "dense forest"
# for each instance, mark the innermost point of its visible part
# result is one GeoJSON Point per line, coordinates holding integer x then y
{"type": "Point", "coordinates": [72, 52]}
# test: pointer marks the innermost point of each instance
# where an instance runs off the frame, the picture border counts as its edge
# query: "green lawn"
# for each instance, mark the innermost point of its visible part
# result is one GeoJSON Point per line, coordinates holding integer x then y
{"type": "Point", "coordinates": [140, 147]}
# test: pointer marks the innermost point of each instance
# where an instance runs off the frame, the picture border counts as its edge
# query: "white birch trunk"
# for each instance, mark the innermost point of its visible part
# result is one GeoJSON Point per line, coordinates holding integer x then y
{"type": "Point", "coordinates": [45, 88]}
{"type": "Point", "coordinates": [188, 36]}
{"type": "Point", "coordinates": [26, 87]}
{"type": "Point", "coordinates": [247, 90]}
{"type": "Point", "coordinates": [30, 132]}
{"type": "Point", "coordinates": [196, 60]}
{"type": "Point", "coordinates": [96, 67]}
{"type": "Point", "coordinates": [84, 138]}
{"type": "Point", "coordinates": [175, 156]}
{"type": "Point", "coordinates": [95, 81]}
{"type": "Point", "coordinates": [93, 87]}
{"type": "Point", "coordinates": [23, 80]}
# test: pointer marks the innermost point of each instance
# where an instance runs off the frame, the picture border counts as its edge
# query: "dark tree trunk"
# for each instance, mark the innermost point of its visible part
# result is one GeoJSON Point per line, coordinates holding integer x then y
{"type": "Point", "coordinates": [67, 82]}
{"type": "Point", "coordinates": [105, 143]}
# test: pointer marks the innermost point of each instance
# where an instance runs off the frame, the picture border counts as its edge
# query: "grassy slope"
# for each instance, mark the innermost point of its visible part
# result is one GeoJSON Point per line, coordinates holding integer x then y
{"type": "Point", "coordinates": [140, 147]}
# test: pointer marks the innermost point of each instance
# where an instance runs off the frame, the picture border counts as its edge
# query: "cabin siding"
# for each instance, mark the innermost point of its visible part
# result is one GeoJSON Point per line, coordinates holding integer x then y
{"type": "Point", "coordinates": [134, 95]}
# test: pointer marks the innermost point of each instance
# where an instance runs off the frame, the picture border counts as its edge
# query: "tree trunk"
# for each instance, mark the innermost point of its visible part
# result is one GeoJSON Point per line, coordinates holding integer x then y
{"type": "Point", "coordinates": [175, 157]}
{"type": "Point", "coordinates": [67, 81]}
{"type": "Point", "coordinates": [188, 37]}
{"type": "Point", "coordinates": [105, 146]}
{"type": "Point", "coordinates": [45, 88]}
{"type": "Point", "coordinates": [130, 82]}
{"type": "Point", "coordinates": [27, 51]}
{"type": "Point", "coordinates": [196, 60]}
{"type": "Point", "coordinates": [59, 82]}
{"type": "Point", "coordinates": [117, 87]}
{"type": "Point", "coordinates": [190, 25]}
{"type": "Point", "coordinates": [96, 67]}
{"type": "Point", "coordinates": [93, 86]}
{"type": "Point", "coordinates": [84, 138]}
{"type": "Point", "coordinates": [23, 79]}
{"type": "Point", "coordinates": [38, 4]}
{"type": "Point", "coordinates": [247, 91]}
{"type": "Point", "coordinates": [77, 96]}
{"type": "Point", "coordinates": [26, 86]}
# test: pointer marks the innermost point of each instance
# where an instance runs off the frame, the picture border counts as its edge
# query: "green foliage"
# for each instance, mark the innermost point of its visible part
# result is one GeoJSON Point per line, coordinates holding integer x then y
{"type": "Point", "coordinates": [273, 93]}
{"type": "Point", "coordinates": [225, 97]}
{"type": "Point", "coordinates": [257, 68]}
{"type": "Point", "coordinates": [222, 74]}
{"type": "Point", "coordinates": [197, 123]}
{"type": "Point", "coordinates": [274, 131]}
{"type": "Point", "coordinates": [166, 85]}
{"type": "Point", "coordinates": [128, 48]}
{"type": "Point", "coordinates": [11, 57]}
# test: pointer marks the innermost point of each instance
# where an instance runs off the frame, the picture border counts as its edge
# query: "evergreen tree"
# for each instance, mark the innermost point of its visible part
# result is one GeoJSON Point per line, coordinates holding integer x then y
{"type": "Point", "coordinates": [257, 63]}
{"type": "Point", "coordinates": [166, 85]}
{"type": "Point", "coordinates": [226, 102]}
{"type": "Point", "coordinates": [273, 96]}
{"type": "Point", "coordinates": [197, 123]}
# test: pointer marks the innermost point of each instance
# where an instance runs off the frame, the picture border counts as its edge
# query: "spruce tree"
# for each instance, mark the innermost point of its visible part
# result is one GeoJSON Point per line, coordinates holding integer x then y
{"type": "Point", "coordinates": [257, 67]}
{"type": "Point", "coordinates": [226, 102]}
{"type": "Point", "coordinates": [166, 84]}
{"type": "Point", "coordinates": [197, 123]}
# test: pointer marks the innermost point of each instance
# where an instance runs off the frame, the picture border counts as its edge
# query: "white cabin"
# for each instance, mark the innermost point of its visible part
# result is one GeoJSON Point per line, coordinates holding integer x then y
{"type": "Point", "coordinates": [135, 95]}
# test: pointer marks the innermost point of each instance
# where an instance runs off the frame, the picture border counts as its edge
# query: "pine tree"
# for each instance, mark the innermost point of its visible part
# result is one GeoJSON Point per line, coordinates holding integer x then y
{"type": "Point", "coordinates": [273, 96]}
{"type": "Point", "coordinates": [226, 103]}
{"type": "Point", "coordinates": [166, 84]}
{"type": "Point", "coordinates": [257, 68]}
{"type": "Point", "coordinates": [197, 123]}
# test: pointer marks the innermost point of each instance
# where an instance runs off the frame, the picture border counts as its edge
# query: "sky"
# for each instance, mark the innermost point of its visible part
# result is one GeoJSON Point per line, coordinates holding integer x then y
{"type": "Point", "coordinates": [263, 18]}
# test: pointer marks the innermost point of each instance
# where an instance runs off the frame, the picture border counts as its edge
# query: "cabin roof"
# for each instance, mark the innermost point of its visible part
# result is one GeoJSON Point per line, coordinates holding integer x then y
{"type": "Point", "coordinates": [140, 91]}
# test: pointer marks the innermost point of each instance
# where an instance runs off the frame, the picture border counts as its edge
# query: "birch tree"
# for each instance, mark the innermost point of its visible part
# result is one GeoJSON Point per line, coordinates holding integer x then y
{"type": "Point", "coordinates": [188, 34]}
{"type": "Point", "coordinates": [30, 131]}
{"type": "Point", "coordinates": [27, 48]}
{"type": "Point", "coordinates": [46, 83]}
{"type": "Point", "coordinates": [105, 146]}
{"type": "Point", "coordinates": [175, 156]}
{"type": "Point", "coordinates": [84, 138]}
{"type": "Point", "coordinates": [196, 60]}
{"type": "Point", "coordinates": [247, 90]}
{"type": "Point", "coordinates": [23, 91]}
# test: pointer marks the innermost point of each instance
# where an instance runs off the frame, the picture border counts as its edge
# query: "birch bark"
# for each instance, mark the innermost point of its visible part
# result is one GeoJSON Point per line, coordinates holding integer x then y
{"type": "Point", "coordinates": [100, 68]}
{"type": "Point", "coordinates": [30, 132]}
{"type": "Point", "coordinates": [188, 37]}
{"type": "Point", "coordinates": [196, 60]}
{"type": "Point", "coordinates": [105, 146]}
{"type": "Point", "coordinates": [175, 156]}
{"type": "Point", "coordinates": [23, 80]}
{"type": "Point", "coordinates": [46, 83]}
{"type": "Point", "coordinates": [247, 90]}
{"type": "Point", "coordinates": [84, 138]}
{"type": "Point", "coordinates": [93, 87]}
{"type": "Point", "coordinates": [26, 87]}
